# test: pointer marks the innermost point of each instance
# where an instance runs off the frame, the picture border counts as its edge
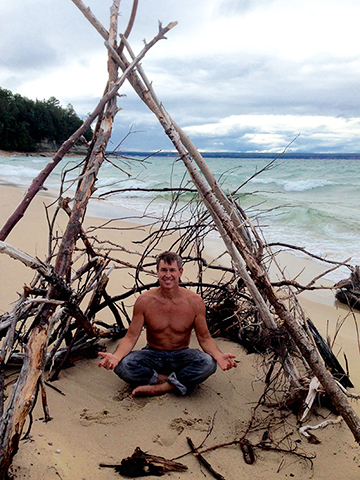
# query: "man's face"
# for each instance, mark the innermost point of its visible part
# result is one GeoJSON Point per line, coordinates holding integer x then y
{"type": "Point", "coordinates": [169, 274]}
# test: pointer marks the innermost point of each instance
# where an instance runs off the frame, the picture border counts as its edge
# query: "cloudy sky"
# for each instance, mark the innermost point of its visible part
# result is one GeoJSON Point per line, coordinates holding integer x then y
{"type": "Point", "coordinates": [237, 75]}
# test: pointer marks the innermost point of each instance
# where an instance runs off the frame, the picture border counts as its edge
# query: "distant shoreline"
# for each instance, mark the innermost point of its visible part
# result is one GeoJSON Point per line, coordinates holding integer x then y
{"type": "Point", "coordinates": [219, 154]}
{"type": "Point", "coordinates": [222, 154]}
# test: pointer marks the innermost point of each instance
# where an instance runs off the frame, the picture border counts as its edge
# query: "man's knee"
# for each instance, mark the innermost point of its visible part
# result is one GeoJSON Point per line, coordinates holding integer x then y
{"type": "Point", "coordinates": [205, 362]}
{"type": "Point", "coordinates": [121, 368]}
{"type": "Point", "coordinates": [127, 367]}
{"type": "Point", "coordinates": [202, 365]}
{"type": "Point", "coordinates": [133, 369]}
{"type": "Point", "coordinates": [209, 365]}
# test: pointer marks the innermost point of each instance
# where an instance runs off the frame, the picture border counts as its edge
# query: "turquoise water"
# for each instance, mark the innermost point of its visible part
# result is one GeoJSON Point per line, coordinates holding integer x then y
{"type": "Point", "coordinates": [308, 202]}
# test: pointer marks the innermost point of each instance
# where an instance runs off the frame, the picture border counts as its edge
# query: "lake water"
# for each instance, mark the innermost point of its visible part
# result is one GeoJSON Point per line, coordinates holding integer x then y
{"type": "Point", "coordinates": [308, 202]}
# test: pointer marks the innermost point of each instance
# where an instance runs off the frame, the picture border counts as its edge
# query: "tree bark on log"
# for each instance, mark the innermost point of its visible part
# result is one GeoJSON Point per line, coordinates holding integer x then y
{"type": "Point", "coordinates": [22, 398]}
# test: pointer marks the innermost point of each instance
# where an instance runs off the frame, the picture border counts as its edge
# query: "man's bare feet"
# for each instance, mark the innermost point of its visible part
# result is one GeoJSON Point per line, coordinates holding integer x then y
{"type": "Point", "coordinates": [157, 389]}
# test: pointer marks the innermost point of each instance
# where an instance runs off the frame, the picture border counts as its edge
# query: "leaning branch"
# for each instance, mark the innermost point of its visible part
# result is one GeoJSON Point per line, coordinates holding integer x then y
{"type": "Point", "coordinates": [244, 261]}
{"type": "Point", "coordinates": [92, 19]}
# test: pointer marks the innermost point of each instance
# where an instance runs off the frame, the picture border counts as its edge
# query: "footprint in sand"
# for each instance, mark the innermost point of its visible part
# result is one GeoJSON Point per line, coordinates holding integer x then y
{"type": "Point", "coordinates": [104, 417]}
{"type": "Point", "coordinates": [178, 425]}
{"type": "Point", "coordinates": [123, 393]}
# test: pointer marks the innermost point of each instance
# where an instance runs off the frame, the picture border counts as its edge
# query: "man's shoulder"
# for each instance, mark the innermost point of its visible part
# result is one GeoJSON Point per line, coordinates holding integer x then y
{"type": "Point", "coordinates": [145, 298]}
{"type": "Point", "coordinates": [191, 296]}
{"type": "Point", "coordinates": [189, 293]}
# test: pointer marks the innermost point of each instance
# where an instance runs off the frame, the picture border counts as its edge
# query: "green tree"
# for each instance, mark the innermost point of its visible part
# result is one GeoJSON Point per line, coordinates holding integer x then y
{"type": "Point", "coordinates": [25, 123]}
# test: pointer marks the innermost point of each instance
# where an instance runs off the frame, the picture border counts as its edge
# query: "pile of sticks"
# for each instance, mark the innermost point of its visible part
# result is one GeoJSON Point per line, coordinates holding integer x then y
{"type": "Point", "coordinates": [349, 289]}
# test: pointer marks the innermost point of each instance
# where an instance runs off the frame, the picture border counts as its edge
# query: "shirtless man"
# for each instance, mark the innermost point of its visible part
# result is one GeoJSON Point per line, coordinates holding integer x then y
{"type": "Point", "coordinates": [169, 313]}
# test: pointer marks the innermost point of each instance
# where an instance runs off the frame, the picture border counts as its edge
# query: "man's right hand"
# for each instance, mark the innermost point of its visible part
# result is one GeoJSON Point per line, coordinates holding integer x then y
{"type": "Point", "coordinates": [109, 361]}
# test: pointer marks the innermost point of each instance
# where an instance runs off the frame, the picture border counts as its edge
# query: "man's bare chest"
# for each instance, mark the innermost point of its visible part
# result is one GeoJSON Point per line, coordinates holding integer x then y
{"type": "Point", "coordinates": [177, 316]}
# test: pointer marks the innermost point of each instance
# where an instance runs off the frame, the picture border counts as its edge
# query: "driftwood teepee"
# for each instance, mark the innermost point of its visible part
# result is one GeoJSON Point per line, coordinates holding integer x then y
{"type": "Point", "coordinates": [60, 302]}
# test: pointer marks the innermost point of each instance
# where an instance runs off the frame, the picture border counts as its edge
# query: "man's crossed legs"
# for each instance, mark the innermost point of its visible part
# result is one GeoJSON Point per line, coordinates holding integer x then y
{"type": "Point", "coordinates": [154, 372]}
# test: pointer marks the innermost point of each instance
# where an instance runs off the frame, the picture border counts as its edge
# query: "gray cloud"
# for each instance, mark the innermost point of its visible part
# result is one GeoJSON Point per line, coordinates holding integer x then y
{"type": "Point", "coordinates": [229, 7]}
{"type": "Point", "coordinates": [224, 60]}
{"type": "Point", "coordinates": [28, 55]}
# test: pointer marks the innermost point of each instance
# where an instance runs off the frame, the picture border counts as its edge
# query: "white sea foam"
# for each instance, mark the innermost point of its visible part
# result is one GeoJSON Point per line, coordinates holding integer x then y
{"type": "Point", "coordinates": [18, 171]}
{"type": "Point", "coordinates": [294, 185]}
{"type": "Point", "coordinates": [307, 202]}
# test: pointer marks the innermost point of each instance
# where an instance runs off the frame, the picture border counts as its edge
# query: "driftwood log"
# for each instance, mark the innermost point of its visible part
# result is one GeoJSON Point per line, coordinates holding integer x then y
{"type": "Point", "coordinates": [349, 290]}
{"type": "Point", "coordinates": [142, 464]}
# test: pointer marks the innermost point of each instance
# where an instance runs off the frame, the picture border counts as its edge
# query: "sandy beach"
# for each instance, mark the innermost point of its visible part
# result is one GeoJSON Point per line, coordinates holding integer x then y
{"type": "Point", "coordinates": [95, 421]}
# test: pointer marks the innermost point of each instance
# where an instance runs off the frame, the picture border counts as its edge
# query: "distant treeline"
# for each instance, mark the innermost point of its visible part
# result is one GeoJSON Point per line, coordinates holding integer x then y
{"type": "Point", "coordinates": [24, 123]}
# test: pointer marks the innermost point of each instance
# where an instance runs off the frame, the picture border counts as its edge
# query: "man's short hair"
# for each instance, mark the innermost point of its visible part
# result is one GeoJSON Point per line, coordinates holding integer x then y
{"type": "Point", "coordinates": [169, 258]}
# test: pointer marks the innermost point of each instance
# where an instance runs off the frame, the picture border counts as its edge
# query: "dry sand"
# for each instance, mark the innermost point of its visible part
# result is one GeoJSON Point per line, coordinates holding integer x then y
{"type": "Point", "coordinates": [96, 421]}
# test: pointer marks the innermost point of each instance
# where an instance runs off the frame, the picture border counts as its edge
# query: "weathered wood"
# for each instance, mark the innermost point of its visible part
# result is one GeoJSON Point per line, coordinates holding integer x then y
{"type": "Point", "coordinates": [2, 385]}
{"type": "Point", "coordinates": [59, 286]}
{"type": "Point", "coordinates": [259, 277]}
{"type": "Point", "coordinates": [45, 404]}
{"type": "Point", "coordinates": [131, 22]}
{"type": "Point", "coordinates": [92, 19]}
{"type": "Point", "coordinates": [11, 424]}
{"type": "Point", "coordinates": [349, 289]}
{"type": "Point", "coordinates": [203, 460]}
{"type": "Point", "coordinates": [142, 464]}
{"type": "Point", "coordinates": [22, 398]}
{"type": "Point", "coordinates": [96, 297]}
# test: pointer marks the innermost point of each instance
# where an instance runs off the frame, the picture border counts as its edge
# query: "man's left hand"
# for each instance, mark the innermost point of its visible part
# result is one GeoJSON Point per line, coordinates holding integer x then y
{"type": "Point", "coordinates": [226, 361]}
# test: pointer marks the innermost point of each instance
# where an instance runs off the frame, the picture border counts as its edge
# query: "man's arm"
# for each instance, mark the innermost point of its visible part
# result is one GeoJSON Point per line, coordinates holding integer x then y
{"type": "Point", "coordinates": [110, 360]}
{"type": "Point", "coordinates": [224, 360]}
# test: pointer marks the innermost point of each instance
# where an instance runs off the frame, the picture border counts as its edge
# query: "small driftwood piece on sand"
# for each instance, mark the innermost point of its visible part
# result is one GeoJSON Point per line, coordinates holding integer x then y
{"type": "Point", "coordinates": [310, 398]}
{"type": "Point", "coordinates": [141, 464]}
{"type": "Point", "coordinates": [203, 461]}
{"type": "Point", "coordinates": [311, 438]}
